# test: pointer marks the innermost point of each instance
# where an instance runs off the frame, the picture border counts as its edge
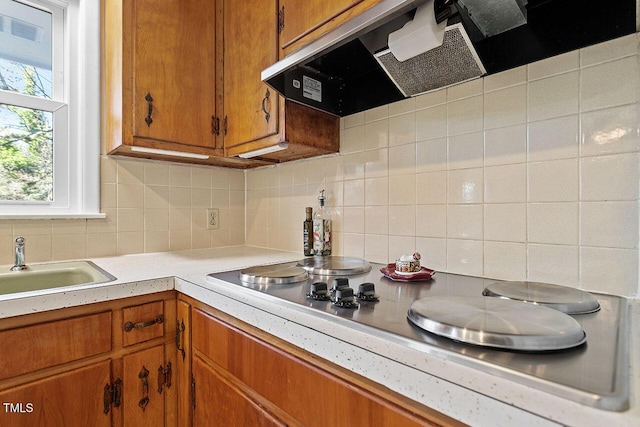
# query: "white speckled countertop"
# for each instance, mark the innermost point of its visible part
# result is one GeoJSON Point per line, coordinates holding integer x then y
{"type": "Point", "coordinates": [464, 393]}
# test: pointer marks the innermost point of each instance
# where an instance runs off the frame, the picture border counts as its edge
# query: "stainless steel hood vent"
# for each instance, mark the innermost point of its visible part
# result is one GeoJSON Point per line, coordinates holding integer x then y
{"type": "Point", "coordinates": [455, 61]}
{"type": "Point", "coordinates": [339, 73]}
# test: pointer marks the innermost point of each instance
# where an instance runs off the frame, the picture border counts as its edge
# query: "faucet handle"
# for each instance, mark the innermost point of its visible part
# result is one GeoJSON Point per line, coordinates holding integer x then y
{"type": "Point", "coordinates": [20, 241]}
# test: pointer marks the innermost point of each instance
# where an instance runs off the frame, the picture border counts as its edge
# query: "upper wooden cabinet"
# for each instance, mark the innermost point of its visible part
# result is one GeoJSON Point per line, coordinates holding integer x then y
{"type": "Point", "coordinates": [256, 117]}
{"type": "Point", "coordinates": [251, 44]}
{"type": "Point", "coordinates": [160, 73]}
{"type": "Point", "coordinates": [303, 22]}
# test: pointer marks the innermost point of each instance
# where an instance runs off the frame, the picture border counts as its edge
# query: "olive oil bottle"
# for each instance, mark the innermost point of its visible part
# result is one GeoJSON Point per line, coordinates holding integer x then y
{"type": "Point", "coordinates": [307, 233]}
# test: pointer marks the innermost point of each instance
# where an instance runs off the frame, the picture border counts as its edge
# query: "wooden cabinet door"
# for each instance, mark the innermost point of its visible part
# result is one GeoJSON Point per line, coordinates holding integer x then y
{"type": "Point", "coordinates": [174, 70]}
{"type": "Point", "coordinates": [302, 17]}
{"type": "Point", "coordinates": [73, 398]}
{"type": "Point", "coordinates": [219, 403]}
{"type": "Point", "coordinates": [250, 45]}
{"type": "Point", "coordinates": [183, 363]}
{"type": "Point", "coordinates": [142, 402]}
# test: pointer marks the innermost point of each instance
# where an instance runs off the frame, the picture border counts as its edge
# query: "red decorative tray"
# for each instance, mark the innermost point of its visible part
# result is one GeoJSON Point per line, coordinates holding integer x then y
{"type": "Point", "coordinates": [390, 272]}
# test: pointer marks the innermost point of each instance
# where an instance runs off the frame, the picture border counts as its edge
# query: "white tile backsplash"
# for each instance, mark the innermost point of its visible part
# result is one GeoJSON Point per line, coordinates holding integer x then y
{"type": "Point", "coordinates": [464, 222]}
{"type": "Point", "coordinates": [554, 96]}
{"type": "Point", "coordinates": [507, 145]}
{"type": "Point", "coordinates": [610, 131]}
{"type": "Point", "coordinates": [532, 173]}
{"type": "Point", "coordinates": [431, 123]}
{"type": "Point", "coordinates": [465, 115]}
{"type": "Point", "coordinates": [465, 151]}
{"type": "Point", "coordinates": [554, 139]}
{"type": "Point", "coordinates": [612, 177]}
{"type": "Point", "coordinates": [505, 107]}
{"type": "Point", "coordinates": [505, 184]}
{"type": "Point", "coordinates": [505, 222]}
{"type": "Point", "coordinates": [609, 84]}
{"type": "Point", "coordinates": [505, 79]}
{"type": "Point", "coordinates": [609, 224]}
{"type": "Point", "coordinates": [431, 221]}
{"type": "Point", "coordinates": [431, 155]}
{"type": "Point", "coordinates": [553, 181]}
{"type": "Point", "coordinates": [465, 186]}
{"type": "Point", "coordinates": [431, 188]}
{"type": "Point", "coordinates": [553, 223]}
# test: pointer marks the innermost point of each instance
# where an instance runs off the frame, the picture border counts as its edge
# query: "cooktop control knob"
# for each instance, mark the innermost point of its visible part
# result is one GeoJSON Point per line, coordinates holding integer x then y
{"type": "Point", "coordinates": [344, 298]}
{"type": "Point", "coordinates": [367, 292]}
{"type": "Point", "coordinates": [340, 283]}
{"type": "Point", "coordinates": [319, 291]}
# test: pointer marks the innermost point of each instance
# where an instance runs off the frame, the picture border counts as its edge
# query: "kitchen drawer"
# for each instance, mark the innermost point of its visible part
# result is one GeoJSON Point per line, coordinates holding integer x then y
{"type": "Point", "coordinates": [43, 345]}
{"type": "Point", "coordinates": [142, 322]}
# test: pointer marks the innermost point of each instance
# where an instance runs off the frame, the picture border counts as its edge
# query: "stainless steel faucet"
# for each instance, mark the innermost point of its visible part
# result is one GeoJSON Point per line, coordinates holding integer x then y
{"type": "Point", "coordinates": [19, 263]}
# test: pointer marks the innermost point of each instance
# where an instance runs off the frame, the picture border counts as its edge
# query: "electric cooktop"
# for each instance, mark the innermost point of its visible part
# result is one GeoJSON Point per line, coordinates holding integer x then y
{"type": "Point", "coordinates": [507, 328]}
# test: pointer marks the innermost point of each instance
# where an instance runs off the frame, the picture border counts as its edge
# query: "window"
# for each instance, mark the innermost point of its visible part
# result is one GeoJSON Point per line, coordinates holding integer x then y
{"type": "Point", "coordinates": [49, 108]}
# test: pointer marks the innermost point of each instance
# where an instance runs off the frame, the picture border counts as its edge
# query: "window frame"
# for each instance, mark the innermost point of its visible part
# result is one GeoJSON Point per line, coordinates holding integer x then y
{"type": "Point", "coordinates": [75, 105]}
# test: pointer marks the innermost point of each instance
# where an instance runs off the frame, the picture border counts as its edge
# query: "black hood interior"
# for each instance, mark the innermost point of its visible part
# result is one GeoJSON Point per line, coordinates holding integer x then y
{"type": "Point", "coordinates": [353, 81]}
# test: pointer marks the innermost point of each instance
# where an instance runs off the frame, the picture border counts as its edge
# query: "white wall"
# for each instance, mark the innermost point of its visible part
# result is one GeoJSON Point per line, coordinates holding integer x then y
{"type": "Point", "coordinates": [532, 173]}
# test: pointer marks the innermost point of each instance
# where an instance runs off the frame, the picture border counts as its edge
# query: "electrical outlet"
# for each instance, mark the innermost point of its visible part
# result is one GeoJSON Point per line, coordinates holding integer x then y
{"type": "Point", "coordinates": [213, 218]}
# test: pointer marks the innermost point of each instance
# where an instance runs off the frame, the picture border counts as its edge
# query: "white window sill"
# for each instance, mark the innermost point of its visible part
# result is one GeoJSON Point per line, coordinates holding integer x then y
{"type": "Point", "coordinates": [54, 216]}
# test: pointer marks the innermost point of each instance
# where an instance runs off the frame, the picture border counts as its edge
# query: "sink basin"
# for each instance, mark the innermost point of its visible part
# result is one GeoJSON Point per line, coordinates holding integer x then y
{"type": "Point", "coordinates": [52, 275]}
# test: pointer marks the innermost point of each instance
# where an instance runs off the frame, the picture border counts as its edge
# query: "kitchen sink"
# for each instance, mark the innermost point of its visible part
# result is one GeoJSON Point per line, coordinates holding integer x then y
{"type": "Point", "coordinates": [52, 275]}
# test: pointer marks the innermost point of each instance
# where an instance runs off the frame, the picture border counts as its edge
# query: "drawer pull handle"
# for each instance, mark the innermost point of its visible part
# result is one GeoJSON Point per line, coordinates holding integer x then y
{"type": "Point", "coordinates": [129, 326]}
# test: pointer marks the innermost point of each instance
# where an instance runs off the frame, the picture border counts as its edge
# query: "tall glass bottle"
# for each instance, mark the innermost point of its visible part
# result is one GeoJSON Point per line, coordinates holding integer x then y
{"type": "Point", "coordinates": [307, 233]}
{"type": "Point", "coordinates": [322, 229]}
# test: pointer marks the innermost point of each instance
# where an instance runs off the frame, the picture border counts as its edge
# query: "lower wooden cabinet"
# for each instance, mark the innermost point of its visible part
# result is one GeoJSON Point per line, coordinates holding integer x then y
{"type": "Point", "coordinates": [239, 368]}
{"type": "Point", "coordinates": [144, 387]}
{"type": "Point", "coordinates": [72, 398]}
{"type": "Point", "coordinates": [81, 366]}
{"type": "Point", "coordinates": [195, 367]}
{"type": "Point", "coordinates": [217, 402]}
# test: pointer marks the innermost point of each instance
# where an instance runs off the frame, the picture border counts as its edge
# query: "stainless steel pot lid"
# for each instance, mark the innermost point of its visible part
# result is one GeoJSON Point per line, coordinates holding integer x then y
{"type": "Point", "coordinates": [562, 298]}
{"type": "Point", "coordinates": [334, 265]}
{"type": "Point", "coordinates": [497, 323]}
{"type": "Point", "coordinates": [274, 274]}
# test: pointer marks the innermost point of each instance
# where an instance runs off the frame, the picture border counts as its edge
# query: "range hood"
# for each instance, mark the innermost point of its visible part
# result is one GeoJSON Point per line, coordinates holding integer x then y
{"type": "Point", "coordinates": [352, 68]}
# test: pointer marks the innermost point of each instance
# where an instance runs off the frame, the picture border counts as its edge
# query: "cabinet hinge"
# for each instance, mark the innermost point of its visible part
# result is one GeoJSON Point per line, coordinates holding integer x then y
{"type": "Point", "coordinates": [224, 126]}
{"type": "Point", "coordinates": [179, 338]}
{"type": "Point", "coordinates": [215, 125]}
{"type": "Point", "coordinates": [112, 395]}
{"type": "Point", "coordinates": [281, 20]}
{"type": "Point", "coordinates": [193, 392]}
{"type": "Point", "coordinates": [164, 377]}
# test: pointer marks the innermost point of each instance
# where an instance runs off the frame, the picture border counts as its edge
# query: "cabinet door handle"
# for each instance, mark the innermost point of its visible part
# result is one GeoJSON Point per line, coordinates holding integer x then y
{"type": "Point", "coordinates": [129, 326]}
{"type": "Point", "coordinates": [148, 120]}
{"type": "Point", "coordinates": [265, 110]}
{"type": "Point", "coordinates": [143, 375]}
